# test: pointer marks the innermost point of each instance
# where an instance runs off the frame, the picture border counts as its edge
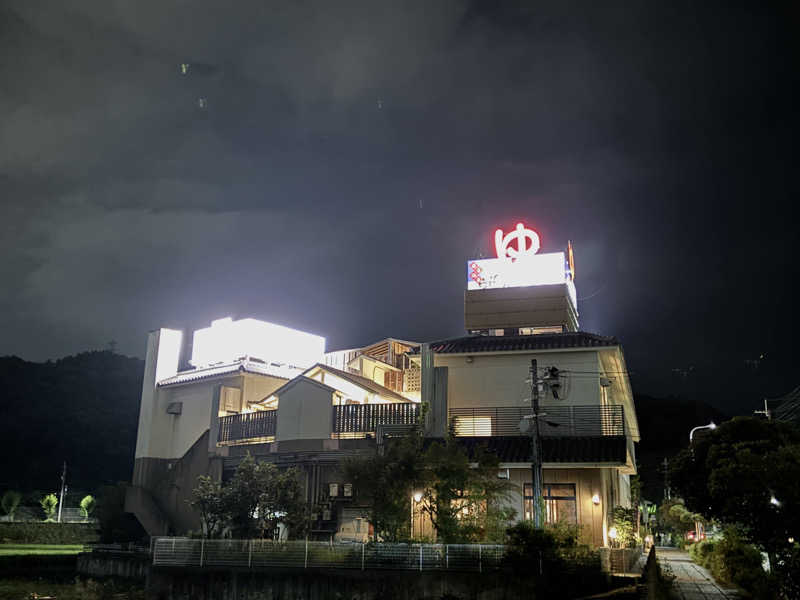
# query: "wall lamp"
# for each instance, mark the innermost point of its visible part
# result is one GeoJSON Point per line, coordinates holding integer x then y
{"type": "Point", "coordinates": [596, 499]}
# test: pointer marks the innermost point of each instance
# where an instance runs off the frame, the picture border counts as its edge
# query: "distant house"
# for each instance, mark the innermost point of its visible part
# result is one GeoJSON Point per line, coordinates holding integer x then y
{"type": "Point", "coordinates": [258, 388]}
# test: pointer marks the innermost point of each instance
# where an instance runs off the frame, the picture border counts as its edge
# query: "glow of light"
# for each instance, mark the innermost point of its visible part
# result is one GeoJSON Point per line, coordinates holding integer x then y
{"type": "Point", "coordinates": [596, 499]}
{"type": "Point", "coordinates": [417, 497]}
{"type": "Point", "coordinates": [531, 269]}
{"type": "Point", "coordinates": [612, 533]}
{"type": "Point", "coordinates": [712, 425]}
{"type": "Point", "coordinates": [228, 340]}
{"type": "Point", "coordinates": [504, 249]}
{"type": "Point", "coordinates": [774, 501]}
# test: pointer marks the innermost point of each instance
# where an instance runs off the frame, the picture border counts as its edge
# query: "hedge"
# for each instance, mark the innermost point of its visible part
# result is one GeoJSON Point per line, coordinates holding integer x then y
{"type": "Point", "coordinates": [47, 533]}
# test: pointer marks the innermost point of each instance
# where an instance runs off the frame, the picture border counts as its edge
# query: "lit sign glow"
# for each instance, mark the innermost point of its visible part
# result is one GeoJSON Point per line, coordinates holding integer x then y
{"type": "Point", "coordinates": [228, 340]}
{"type": "Point", "coordinates": [518, 263]}
{"type": "Point", "coordinates": [532, 269]}
{"type": "Point", "coordinates": [504, 249]}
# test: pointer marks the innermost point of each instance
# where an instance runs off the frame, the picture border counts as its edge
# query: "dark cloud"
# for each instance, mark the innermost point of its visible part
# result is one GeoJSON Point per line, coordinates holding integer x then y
{"type": "Point", "coordinates": [332, 165]}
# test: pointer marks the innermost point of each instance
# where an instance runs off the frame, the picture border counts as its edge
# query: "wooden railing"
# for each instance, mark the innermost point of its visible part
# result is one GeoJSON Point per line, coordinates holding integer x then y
{"type": "Point", "coordinates": [247, 426]}
{"type": "Point", "coordinates": [356, 420]}
{"type": "Point", "coordinates": [556, 421]}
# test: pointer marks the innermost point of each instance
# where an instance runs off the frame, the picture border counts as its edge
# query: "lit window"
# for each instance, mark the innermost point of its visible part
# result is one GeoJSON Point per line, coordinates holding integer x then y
{"type": "Point", "coordinates": [333, 489]}
{"type": "Point", "coordinates": [347, 490]}
{"type": "Point", "coordinates": [473, 426]}
{"type": "Point", "coordinates": [560, 502]}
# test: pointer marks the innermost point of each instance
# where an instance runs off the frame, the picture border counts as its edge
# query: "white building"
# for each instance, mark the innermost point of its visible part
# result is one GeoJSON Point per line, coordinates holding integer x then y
{"type": "Point", "coordinates": [271, 391]}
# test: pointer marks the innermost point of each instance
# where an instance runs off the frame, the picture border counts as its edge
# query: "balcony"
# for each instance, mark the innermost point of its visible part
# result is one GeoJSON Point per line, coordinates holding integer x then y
{"type": "Point", "coordinates": [358, 420]}
{"type": "Point", "coordinates": [247, 428]}
{"type": "Point", "coordinates": [556, 421]}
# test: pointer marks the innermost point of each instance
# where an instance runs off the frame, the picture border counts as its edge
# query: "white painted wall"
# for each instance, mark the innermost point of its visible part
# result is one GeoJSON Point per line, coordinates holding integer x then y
{"type": "Point", "coordinates": [258, 387]}
{"type": "Point", "coordinates": [163, 353]}
{"type": "Point", "coordinates": [499, 380]}
{"type": "Point", "coordinates": [305, 413]}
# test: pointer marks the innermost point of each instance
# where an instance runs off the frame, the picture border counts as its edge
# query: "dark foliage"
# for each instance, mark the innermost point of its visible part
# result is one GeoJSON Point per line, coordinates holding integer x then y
{"type": "Point", "coordinates": [83, 409]}
{"type": "Point", "coordinates": [664, 425]}
{"type": "Point", "coordinates": [47, 533]}
{"type": "Point", "coordinates": [115, 524]}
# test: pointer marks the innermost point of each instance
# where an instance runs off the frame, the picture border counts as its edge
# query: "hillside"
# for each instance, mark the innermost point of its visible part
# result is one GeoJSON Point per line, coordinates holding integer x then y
{"type": "Point", "coordinates": [83, 409]}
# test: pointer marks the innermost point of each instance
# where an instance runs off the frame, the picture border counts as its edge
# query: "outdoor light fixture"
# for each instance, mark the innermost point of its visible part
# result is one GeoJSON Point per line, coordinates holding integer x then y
{"type": "Point", "coordinates": [612, 533]}
{"type": "Point", "coordinates": [774, 501]}
{"type": "Point", "coordinates": [417, 497]}
{"type": "Point", "coordinates": [711, 425]}
{"type": "Point", "coordinates": [790, 540]}
{"type": "Point", "coordinates": [596, 499]}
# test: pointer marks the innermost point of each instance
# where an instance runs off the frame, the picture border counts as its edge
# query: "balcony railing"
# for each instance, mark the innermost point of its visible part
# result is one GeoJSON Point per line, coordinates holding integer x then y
{"type": "Point", "coordinates": [556, 421]}
{"type": "Point", "coordinates": [247, 426]}
{"type": "Point", "coordinates": [357, 420]}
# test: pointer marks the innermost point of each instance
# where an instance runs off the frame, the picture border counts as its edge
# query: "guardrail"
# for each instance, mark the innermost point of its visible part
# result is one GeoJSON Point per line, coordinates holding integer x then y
{"type": "Point", "coordinates": [556, 421]}
{"type": "Point", "coordinates": [247, 426]}
{"type": "Point", "coordinates": [256, 554]}
{"type": "Point", "coordinates": [354, 420]}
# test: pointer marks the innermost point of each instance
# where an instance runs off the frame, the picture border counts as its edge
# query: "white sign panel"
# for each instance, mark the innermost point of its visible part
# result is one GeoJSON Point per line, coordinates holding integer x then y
{"type": "Point", "coordinates": [528, 269]}
{"type": "Point", "coordinates": [228, 340]}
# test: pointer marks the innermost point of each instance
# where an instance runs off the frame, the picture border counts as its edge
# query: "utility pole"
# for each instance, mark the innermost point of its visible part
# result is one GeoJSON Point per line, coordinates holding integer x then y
{"type": "Point", "coordinates": [766, 412]}
{"type": "Point", "coordinates": [536, 448]}
{"type": "Point", "coordinates": [63, 488]}
{"type": "Point", "coordinates": [667, 494]}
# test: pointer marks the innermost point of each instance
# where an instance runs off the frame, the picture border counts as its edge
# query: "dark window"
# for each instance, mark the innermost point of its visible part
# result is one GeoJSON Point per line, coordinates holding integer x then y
{"type": "Point", "coordinates": [560, 502]}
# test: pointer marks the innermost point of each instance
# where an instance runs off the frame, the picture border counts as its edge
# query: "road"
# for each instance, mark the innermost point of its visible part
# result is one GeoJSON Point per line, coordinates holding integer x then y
{"type": "Point", "coordinates": [692, 582]}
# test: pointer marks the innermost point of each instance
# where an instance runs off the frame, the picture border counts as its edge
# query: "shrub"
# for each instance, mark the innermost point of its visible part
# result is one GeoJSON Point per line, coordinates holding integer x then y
{"type": "Point", "coordinates": [10, 502]}
{"type": "Point", "coordinates": [47, 533]}
{"type": "Point", "coordinates": [734, 561]}
{"type": "Point", "coordinates": [87, 505]}
{"type": "Point", "coordinates": [701, 552]}
{"type": "Point", "coordinates": [625, 524]}
{"type": "Point", "coordinates": [49, 504]}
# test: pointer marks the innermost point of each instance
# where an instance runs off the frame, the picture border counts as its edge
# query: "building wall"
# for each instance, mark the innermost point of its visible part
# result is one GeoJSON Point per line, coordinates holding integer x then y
{"type": "Point", "coordinates": [499, 380]}
{"type": "Point", "coordinates": [304, 412]}
{"type": "Point", "coordinates": [258, 387]}
{"type": "Point", "coordinates": [587, 483]}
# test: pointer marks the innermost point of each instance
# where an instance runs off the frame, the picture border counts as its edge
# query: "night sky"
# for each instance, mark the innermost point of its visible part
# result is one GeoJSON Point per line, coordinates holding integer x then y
{"type": "Point", "coordinates": [331, 166]}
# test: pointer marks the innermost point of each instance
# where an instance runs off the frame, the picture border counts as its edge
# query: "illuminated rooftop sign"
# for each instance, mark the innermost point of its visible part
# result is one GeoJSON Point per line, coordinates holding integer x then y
{"type": "Point", "coordinates": [228, 340]}
{"type": "Point", "coordinates": [518, 264]}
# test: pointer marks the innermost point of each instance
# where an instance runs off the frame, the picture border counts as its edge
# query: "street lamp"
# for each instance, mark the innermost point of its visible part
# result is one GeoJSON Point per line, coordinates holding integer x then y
{"type": "Point", "coordinates": [711, 425]}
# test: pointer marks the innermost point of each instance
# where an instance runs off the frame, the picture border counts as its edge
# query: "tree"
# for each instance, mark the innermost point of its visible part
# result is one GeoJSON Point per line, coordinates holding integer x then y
{"type": "Point", "coordinates": [10, 502]}
{"type": "Point", "coordinates": [49, 503]}
{"type": "Point", "coordinates": [463, 500]}
{"type": "Point", "coordinates": [746, 472]}
{"type": "Point", "coordinates": [87, 505]}
{"type": "Point", "coordinates": [258, 497]}
{"type": "Point", "coordinates": [624, 520]}
{"type": "Point", "coordinates": [386, 482]}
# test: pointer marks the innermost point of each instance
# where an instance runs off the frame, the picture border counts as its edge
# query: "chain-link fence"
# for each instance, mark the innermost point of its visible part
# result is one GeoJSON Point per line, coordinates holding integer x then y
{"type": "Point", "coordinates": [185, 552]}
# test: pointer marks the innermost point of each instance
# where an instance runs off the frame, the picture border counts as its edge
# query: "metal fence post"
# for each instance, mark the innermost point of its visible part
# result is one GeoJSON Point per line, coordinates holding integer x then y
{"type": "Point", "coordinates": [250, 555]}
{"type": "Point", "coordinates": [447, 556]}
{"type": "Point", "coordinates": [480, 560]}
{"type": "Point", "coordinates": [305, 564]}
{"type": "Point", "coordinates": [420, 557]}
{"type": "Point", "coordinates": [362, 556]}
{"type": "Point", "coordinates": [202, 547]}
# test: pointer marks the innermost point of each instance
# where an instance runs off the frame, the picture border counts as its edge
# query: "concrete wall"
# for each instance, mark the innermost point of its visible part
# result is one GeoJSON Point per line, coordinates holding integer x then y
{"type": "Point", "coordinates": [305, 412]}
{"type": "Point", "coordinates": [258, 387]}
{"type": "Point", "coordinates": [499, 380]}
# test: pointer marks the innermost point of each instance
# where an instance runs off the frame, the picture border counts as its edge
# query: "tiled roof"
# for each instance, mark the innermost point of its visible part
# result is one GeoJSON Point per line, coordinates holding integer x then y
{"type": "Point", "coordinates": [242, 366]}
{"type": "Point", "coordinates": [544, 341]}
{"type": "Point", "coordinates": [604, 449]}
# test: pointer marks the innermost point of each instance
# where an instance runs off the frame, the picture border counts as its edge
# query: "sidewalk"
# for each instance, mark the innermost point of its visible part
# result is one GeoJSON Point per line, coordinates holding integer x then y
{"type": "Point", "coordinates": [692, 582]}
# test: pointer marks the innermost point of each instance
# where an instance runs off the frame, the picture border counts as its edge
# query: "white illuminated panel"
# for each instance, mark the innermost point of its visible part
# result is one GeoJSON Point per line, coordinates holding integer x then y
{"type": "Point", "coordinates": [529, 269]}
{"type": "Point", "coordinates": [227, 340]}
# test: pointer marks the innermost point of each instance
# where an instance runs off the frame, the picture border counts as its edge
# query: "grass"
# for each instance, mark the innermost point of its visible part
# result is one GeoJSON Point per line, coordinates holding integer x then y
{"type": "Point", "coordinates": [29, 549]}
{"type": "Point", "coordinates": [23, 589]}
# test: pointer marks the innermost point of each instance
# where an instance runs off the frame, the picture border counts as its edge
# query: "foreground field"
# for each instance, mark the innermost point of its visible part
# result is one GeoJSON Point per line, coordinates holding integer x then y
{"type": "Point", "coordinates": [24, 589]}
{"type": "Point", "coordinates": [29, 549]}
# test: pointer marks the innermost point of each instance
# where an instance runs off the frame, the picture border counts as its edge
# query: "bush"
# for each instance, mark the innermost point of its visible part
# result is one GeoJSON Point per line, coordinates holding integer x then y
{"type": "Point", "coordinates": [734, 561]}
{"type": "Point", "coordinates": [47, 533]}
{"type": "Point", "coordinates": [701, 552]}
{"type": "Point", "coordinates": [10, 502]}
